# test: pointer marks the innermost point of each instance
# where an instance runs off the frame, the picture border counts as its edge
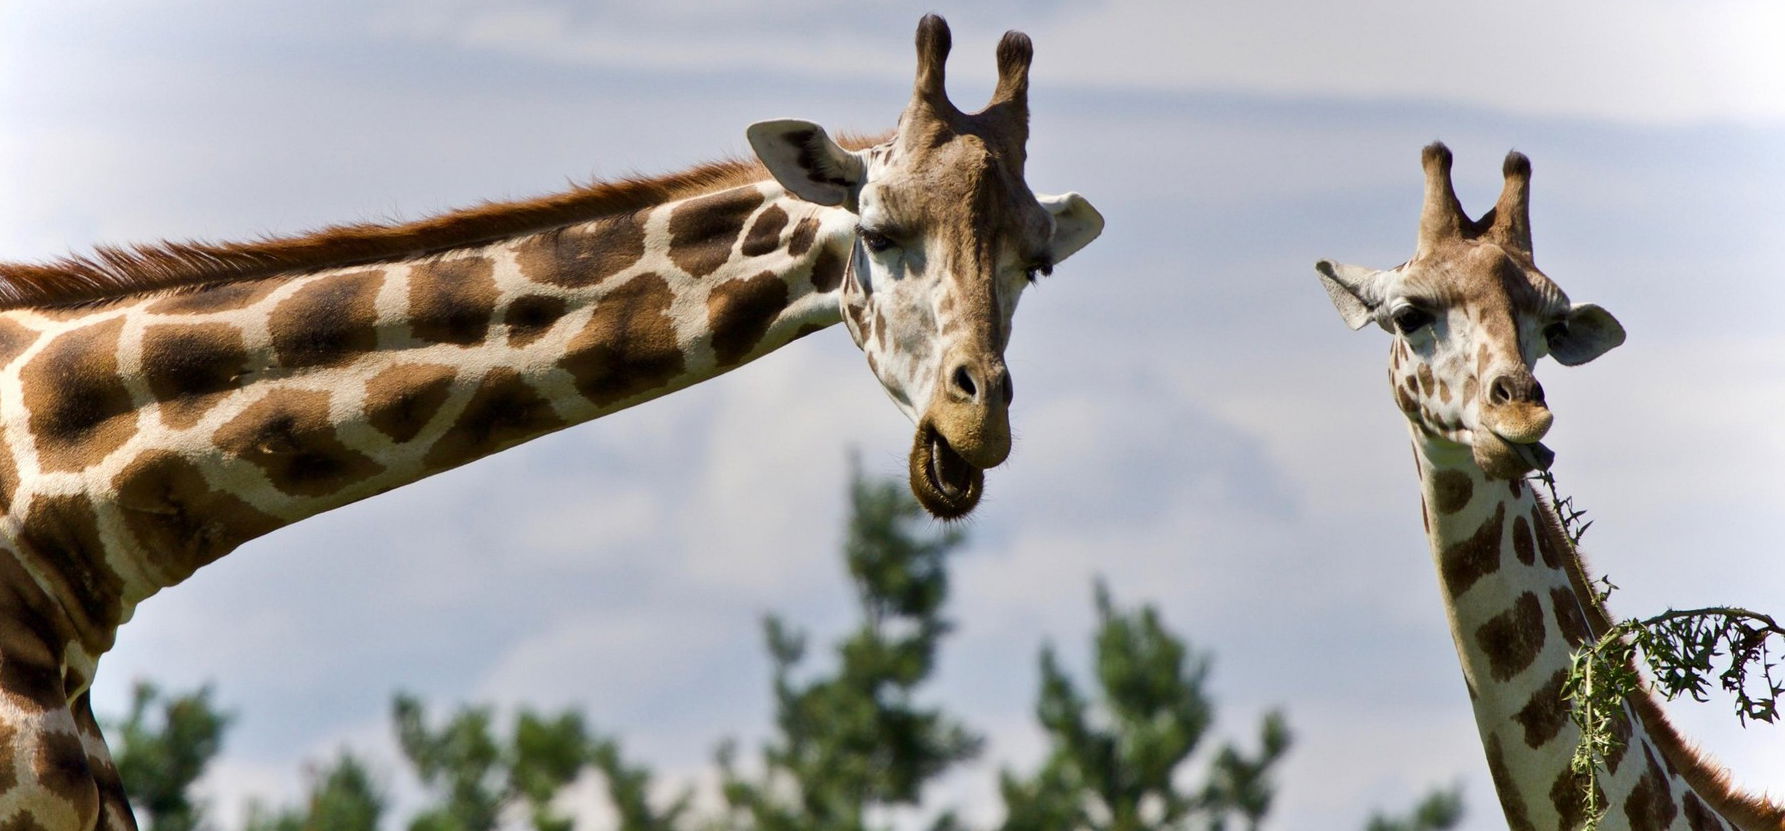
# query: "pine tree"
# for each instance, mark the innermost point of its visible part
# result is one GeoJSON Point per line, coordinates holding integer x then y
{"type": "Point", "coordinates": [1115, 762]}
{"type": "Point", "coordinates": [163, 746]}
{"type": "Point", "coordinates": [856, 740]}
{"type": "Point", "coordinates": [475, 776]}
{"type": "Point", "coordinates": [343, 797]}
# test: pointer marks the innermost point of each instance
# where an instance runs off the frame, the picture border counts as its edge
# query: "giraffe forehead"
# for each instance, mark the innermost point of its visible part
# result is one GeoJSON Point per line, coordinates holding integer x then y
{"type": "Point", "coordinates": [979, 208]}
{"type": "Point", "coordinates": [1486, 277]}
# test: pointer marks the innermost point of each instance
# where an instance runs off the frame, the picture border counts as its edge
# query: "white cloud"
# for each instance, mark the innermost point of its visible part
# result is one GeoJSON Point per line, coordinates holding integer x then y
{"type": "Point", "coordinates": [1645, 62]}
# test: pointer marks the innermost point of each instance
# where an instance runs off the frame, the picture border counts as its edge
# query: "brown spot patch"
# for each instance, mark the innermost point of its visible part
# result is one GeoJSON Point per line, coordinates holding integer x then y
{"type": "Point", "coordinates": [453, 301]}
{"type": "Point", "coordinates": [328, 321]}
{"type": "Point", "coordinates": [31, 641]}
{"type": "Point", "coordinates": [1620, 730]}
{"type": "Point", "coordinates": [858, 315]}
{"type": "Point", "coordinates": [1471, 559]}
{"type": "Point", "coordinates": [62, 769]}
{"type": "Point", "coordinates": [629, 345]}
{"type": "Point", "coordinates": [1425, 379]}
{"type": "Point", "coordinates": [80, 410]}
{"type": "Point", "coordinates": [764, 235]}
{"type": "Point", "coordinates": [503, 411]}
{"type": "Point", "coordinates": [1650, 805]}
{"type": "Point", "coordinates": [175, 514]}
{"type": "Point", "coordinates": [1569, 617]}
{"type": "Point", "coordinates": [1521, 540]}
{"type": "Point", "coordinates": [61, 533]}
{"type": "Point", "coordinates": [583, 255]}
{"type": "Point", "coordinates": [1517, 486]}
{"type": "Point", "coordinates": [289, 435]}
{"type": "Point", "coordinates": [804, 233]}
{"type": "Point", "coordinates": [9, 485]}
{"type": "Point", "coordinates": [222, 297]}
{"type": "Point", "coordinates": [827, 271]}
{"type": "Point", "coordinates": [1451, 490]}
{"type": "Point", "coordinates": [1512, 639]}
{"type": "Point", "coordinates": [1510, 804]}
{"type": "Point", "coordinates": [14, 338]}
{"type": "Point", "coordinates": [189, 365]}
{"type": "Point", "coordinates": [9, 736]}
{"type": "Point", "coordinates": [702, 230]}
{"type": "Point", "coordinates": [1545, 714]}
{"type": "Point", "coordinates": [1699, 817]}
{"type": "Point", "coordinates": [1549, 542]}
{"type": "Point", "coordinates": [402, 399]}
{"type": "Point", "coordinates": [1405, 402]}
{"type": "Point", "coordinates": [1569, 796]}
{"type": "Point", "coordinates": [739, 313]}
{"type": "Point", "coordinates": [530, 316]}
{"type": "Point", "coordinates": [1444, 391]}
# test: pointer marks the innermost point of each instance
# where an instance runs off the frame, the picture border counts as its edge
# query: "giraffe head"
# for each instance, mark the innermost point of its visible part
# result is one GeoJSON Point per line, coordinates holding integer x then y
{"type": "Point", "coordinates": [947, 236]}
{"type": "Point", "coordinates": [1470, 315]}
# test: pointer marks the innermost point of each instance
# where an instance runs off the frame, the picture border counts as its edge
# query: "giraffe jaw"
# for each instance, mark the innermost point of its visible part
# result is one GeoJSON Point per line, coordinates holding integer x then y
{"type": "Point", "coordinates": [945, 483]}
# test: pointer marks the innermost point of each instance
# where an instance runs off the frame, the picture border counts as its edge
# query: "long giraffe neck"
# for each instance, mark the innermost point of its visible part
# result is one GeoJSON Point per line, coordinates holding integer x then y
{"type": "Point", "coordinates": [1519, 602]}
{"type": "Point", "coordinates": [148, 436]}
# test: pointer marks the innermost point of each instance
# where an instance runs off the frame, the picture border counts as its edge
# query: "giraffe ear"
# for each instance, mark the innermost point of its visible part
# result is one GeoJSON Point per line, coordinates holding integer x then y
{"type": "Point", "coordinates": [802, 157]}
{"type": "Point", "coordinates": [1353, 289]}
{"type": "Point", "coordinates": [1076, 223]}
{"type": "Point", "coordinates": [1591, 332]}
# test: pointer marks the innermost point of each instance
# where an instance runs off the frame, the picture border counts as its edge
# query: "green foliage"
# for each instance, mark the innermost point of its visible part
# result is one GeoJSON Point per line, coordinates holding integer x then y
{"type": "Point", "coordinates": [1682, 649]}
{"type": "Point", "coordinates": [1116, 763]}
{"type": "Point", "coordinates": [1438, 811]}
{"type": "Point", "coordinates": [475, 776]}
{"type": "Point", "coordinates": [163, 747]}
{"type": "Point", "coordinates": [343, 797]}
{"type": "Point", "coordinates": [629, 789]}
{"type": "Point", "coordinates": [857, 739]}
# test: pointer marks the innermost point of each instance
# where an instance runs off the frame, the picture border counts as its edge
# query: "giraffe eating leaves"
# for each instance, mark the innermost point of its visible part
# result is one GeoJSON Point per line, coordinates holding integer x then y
{"type": "Point", "coordinates": [1470, 314]}
{"type": "Point", "coordinates": [161, 405]}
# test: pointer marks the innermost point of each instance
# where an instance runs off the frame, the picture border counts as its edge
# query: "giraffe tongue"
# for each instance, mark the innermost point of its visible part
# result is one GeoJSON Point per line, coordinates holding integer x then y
{"type": "Point", "coordinates": [1534, 454]}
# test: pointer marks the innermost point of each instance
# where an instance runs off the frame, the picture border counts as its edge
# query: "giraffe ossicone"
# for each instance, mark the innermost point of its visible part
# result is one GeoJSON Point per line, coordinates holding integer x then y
{"type": "Point", "coordinates": [1470, 314]}
{"type": "Point", "coordinates": [162, 405]}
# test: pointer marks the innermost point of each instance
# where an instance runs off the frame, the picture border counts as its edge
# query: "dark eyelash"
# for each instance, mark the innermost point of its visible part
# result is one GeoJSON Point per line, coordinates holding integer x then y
{"type": "Point", "coordinates": [874, 240]}
{"type": "Point", "coordinates": [1037, 271]}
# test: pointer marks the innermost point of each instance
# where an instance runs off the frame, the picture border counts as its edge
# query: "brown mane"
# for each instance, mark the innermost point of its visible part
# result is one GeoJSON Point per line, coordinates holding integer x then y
{"type": "Point", "coordinates": [111, 272]}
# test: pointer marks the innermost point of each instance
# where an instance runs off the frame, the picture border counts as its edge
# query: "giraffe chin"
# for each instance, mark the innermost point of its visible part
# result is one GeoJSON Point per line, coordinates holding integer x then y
{"type": "Point", "coordinates": [945, 484]}
{"type": "Point", "coordinates": [1502, 459]}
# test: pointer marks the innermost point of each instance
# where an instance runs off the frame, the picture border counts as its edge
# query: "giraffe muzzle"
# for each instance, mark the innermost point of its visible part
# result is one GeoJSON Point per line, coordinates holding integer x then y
{"type": "Point", "coordinates": [944, 482]}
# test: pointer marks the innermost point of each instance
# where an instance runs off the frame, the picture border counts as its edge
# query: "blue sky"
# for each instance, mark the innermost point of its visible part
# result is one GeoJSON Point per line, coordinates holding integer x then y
{"type": "Point", "coordinates": [1195, 425]}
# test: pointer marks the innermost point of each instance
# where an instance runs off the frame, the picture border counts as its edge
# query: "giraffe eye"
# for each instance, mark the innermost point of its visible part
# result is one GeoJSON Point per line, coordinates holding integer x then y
{"type": "Point", "coordinates": [1411, 319]}
{"type": "Point", "coordinates": [874, 240]}
{"type": "Point", "coordinates": [1035, 272]}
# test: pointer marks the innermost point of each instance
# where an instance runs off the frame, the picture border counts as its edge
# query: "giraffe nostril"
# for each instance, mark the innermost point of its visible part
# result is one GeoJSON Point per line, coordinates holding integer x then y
{"type": "Point", "coordinates": [1509, 388]}
{"type": "Point", "coordinates": [963, 381]}
{"type": "Point", "coordinates": [1500, 392]}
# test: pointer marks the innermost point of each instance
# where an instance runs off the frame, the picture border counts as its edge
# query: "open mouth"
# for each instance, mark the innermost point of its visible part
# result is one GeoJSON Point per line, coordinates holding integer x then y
{"type": "Point", "coordinates": [947, 485]}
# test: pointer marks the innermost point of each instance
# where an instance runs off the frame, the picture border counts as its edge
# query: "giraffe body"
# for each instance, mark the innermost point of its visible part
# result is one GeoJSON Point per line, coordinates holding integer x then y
{"type": "Point", "coordinates": [1470, 314]}
{"type": "Point", "coordinates": [161, 406]}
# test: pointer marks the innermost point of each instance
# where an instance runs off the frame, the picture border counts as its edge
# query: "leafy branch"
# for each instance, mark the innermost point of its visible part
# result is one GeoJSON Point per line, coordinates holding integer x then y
{"type": "Point", "coordinates": [1683, 650]}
